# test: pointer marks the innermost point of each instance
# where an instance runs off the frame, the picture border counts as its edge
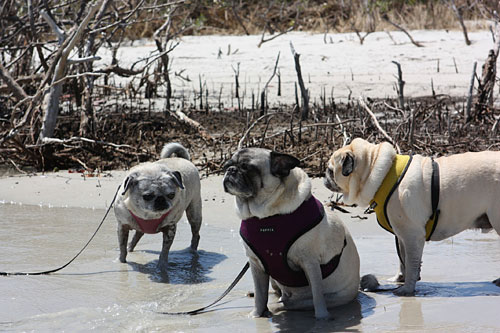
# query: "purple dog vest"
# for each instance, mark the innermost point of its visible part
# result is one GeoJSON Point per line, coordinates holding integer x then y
{"type": "Point", "coordinates": [270, 239]}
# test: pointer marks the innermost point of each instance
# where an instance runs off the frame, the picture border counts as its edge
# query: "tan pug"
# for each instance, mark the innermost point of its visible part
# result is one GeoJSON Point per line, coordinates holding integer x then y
{"type": "Point", "coordinates": [468, 196]}
{"type": "Point", "coordinates": [288, 236]}
{"type": "Point", "coordinates": [154, 196]}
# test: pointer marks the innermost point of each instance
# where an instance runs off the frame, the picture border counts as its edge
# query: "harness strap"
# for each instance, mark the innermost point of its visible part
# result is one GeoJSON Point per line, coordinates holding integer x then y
{"type": "Point", "coordinates": [434, 196]}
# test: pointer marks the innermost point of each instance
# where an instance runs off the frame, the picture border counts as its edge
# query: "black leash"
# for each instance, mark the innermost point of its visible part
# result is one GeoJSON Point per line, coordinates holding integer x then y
{"type": "Point", "coordinates": [201, 310]}
{"type": "Point", "coordinates": [69, 262]}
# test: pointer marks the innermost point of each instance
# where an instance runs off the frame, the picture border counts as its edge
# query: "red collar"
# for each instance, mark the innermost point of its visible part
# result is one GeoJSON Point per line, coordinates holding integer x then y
{"type": "Point", "coordinates": [149, 226]}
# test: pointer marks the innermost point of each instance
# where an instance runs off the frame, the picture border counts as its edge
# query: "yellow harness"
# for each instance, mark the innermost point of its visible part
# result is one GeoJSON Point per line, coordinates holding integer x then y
{"type": "Point", "coordinates": [389, 185]}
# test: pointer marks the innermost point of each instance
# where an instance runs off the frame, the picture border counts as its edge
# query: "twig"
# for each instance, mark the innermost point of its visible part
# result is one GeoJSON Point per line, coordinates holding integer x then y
{"type": "Point", "coordinates": [376, 123]}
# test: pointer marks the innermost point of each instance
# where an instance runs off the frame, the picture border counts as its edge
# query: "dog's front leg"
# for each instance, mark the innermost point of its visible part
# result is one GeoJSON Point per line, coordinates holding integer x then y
{"type": "Point", "coordinates": [122, 241]}
{"type": "Point", "coordinates": [261, 287]}
{"type": "Point", "coordinates": [168, 238]}
{"type": "Point", "coordinates": [313, 273]}
{"type": "Point", "coordinates": [414, 247]}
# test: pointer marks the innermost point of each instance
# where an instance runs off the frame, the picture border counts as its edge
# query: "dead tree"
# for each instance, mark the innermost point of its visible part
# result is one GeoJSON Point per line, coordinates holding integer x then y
{"type": "Point", "coordinates": [50, 106]}
{"type": "Point", "coordinates": [483, 101]}
{"type": "Point", "coordinates": [303, 90]}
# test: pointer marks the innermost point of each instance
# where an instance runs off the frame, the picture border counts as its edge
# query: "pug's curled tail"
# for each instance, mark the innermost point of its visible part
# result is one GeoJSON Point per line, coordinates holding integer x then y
{"type": "Point", "coordinates": [175, 148]}
{"type": "Point", "coordinates": [370, 283]}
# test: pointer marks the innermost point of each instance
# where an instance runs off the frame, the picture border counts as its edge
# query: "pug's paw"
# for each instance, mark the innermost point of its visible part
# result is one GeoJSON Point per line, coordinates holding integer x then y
{"type": "Point", "coordinates": [261, 314]}
{"type": "Point", "coordinates": [404, 291]}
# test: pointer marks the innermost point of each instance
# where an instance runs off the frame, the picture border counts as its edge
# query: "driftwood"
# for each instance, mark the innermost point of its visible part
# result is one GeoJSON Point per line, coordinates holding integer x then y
{"type": "Point", "coordinates": [385, 17]}
{"type": "Point", "coordinates": [183, 118]}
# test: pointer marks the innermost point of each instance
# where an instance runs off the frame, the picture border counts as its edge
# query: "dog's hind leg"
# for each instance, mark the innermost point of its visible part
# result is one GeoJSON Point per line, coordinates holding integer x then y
{"type": "Point", "coordinates": [168, 238]}
{"type": "Point", "coordinates": [193, 214]}
{"type": "Point", "coordinates": [122, 241]}
{"type": "Point", "coordinates": [399, 277]}
{"type": "Point", "coordinates": [137, 236]}
{"type": "Point", "coordinates": [494, 219]}
{"type": "Point", "coordinates": [414, 247]}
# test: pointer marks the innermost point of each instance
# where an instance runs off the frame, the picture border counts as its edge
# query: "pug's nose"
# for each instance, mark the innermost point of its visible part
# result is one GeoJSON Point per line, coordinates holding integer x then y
{"type": "Point", "coordinates": [232, 170]}
{"type": "Point", "coordinates": [160, 203]}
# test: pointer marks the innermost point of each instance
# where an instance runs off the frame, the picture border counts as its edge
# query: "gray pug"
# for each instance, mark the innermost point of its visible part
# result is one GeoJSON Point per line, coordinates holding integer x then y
{"type": "Point", "coordinates": [268, 186]}
{"type": "Point", "coordinates": [154, 197]}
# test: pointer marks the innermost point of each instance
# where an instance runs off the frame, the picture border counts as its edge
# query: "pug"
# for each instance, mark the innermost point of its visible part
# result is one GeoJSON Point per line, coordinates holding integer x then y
{"type": "Point", "coordinates": [309, 257]}
{"type": "Point", "coordinates": [433, 199]}
{"type": "Point", "coordinates": [153, 198]}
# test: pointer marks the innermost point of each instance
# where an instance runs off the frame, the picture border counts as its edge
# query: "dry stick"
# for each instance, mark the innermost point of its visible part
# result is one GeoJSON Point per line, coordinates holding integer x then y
{"type": "Point", "coordinates": [401, 85]}
{"type": "Point", "coordinates": [376, 123]}
{"type": "Point", "coordinates": [460, 20]}
{"type": "Point", "coordinates": [309, 126]}
{"type": "Point", "coordinates": [386, 18]}
{"type": "Point", "coordinates": [469, 96]}
{"type": "Point", "coordinates": [303, 90]}
{"type": "Point", "coordinates": [14, 87]}
{"type": "Point", "coordinates": [262, 40]}
{"type": "Point", "coordinates": [263, 93]}
{"type": "Point", "coordinates": [243, 138]}
{"type": "Point", "coordinates": [347, 138]}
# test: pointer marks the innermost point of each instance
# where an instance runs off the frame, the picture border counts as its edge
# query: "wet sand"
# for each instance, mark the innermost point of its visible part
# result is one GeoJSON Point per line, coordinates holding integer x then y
{"type": "Point", "coordinates": [46, 219]}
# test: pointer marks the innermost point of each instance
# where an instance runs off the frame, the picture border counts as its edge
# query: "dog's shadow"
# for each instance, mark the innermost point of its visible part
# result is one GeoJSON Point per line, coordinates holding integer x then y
{"type": "Point", "coordinates": [184, 267]}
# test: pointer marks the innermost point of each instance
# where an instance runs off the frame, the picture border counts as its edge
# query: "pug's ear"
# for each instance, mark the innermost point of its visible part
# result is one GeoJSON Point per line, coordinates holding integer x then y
{"type": "Point", "coordinates": [281, 164]}
{"type": "Point", "coordinates": [177, 177]}
{"type": "Point", "coordinates": [130, 181]}
{"type": "Point", "coordinates": [347, 164]}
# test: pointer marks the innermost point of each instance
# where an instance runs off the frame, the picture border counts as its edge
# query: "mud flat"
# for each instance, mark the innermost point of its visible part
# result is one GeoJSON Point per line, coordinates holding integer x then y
{"type": "Point", "coordinates": [335, 65]}
{"type": "Point", "coordinates": [46, 219]}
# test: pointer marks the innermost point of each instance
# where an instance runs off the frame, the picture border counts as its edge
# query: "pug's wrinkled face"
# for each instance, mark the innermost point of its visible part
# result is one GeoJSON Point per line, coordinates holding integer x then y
{"type": "Point", "coordinates": [340, 168]}
{"type": "Point", "coordinates": [152, 189]}
{"type": "Point", "coordinates": [252, 171]}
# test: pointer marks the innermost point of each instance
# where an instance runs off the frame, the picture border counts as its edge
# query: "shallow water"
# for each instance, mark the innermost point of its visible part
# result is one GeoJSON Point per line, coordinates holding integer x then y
{"type": "Point", "coordinates": [99, 293]}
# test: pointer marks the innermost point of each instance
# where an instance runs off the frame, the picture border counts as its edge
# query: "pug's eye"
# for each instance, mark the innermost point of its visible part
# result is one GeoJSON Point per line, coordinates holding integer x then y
{"type": "Point", "coordinates": [244, 167]}
{"type": "Point", "coordinates": [148, 197]}
{"type": "Point", "coordinates": [171, 196]}
{"type": "Point", "coordinates": [227, 165]}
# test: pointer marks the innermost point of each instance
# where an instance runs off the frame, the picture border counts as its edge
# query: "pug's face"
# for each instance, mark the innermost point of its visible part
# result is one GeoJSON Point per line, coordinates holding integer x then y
{"type": "Point", "coordinates": [152, 189]}
{"type": "Point", "coordinates": [252, 171]}
{"type": "Point", "coordinates": [340, 168]}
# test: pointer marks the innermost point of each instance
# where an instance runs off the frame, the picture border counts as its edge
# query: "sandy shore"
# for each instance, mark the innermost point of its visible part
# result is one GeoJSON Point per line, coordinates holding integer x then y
{"type": "Point", "coordinates": [45, 219]}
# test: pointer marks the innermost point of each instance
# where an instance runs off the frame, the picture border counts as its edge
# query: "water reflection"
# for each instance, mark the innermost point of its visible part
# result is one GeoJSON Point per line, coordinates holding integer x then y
{"type": "Point", "coordinates": [344, 317]}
